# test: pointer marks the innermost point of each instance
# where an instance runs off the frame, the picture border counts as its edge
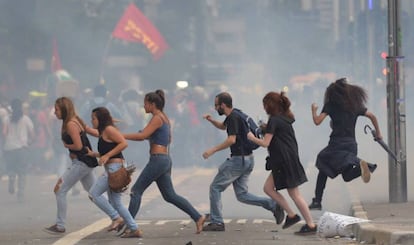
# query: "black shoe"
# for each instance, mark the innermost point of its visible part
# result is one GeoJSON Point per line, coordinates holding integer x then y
{"type": "Point", "coordinates": [372, 167]}
{"type": "Point", "coordinates": [214, 227]}
{"type": "Point", "coordinates": [279, 214]}
{"type": "Point", "coordinates": [306, 230]}
{"type": "Point", "coordinates": [54, 229]}
{"type": "Point", "coordinates": [291, 221]}
{"type": "Point", "coordinates": [315, 205]}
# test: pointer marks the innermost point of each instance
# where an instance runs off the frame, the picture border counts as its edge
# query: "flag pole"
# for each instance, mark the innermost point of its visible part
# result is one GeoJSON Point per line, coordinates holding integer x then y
{"type": "Point", "coordinates": [105, 54]}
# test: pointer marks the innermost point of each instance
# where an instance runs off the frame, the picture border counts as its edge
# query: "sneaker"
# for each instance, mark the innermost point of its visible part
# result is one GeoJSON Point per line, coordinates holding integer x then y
{"type": "Point", "coordinates": [54, 229]}
{"type": "Point", "coordinates": [132, 234]}
{"type": "Point", "coordinates": [291, 221]}
{"type": "Point", "coordinates": [365, 174]}
{"type": "Point", "coordinates": [214, 227]}
{"type": "Point", "coordinates": [315, 205]}
{"type": "Point", "coordinates": [306, 230]}
{"type": "Point", "coordinates": [116, 224]}
{"type": "Point", "coordinates": [279, 214]}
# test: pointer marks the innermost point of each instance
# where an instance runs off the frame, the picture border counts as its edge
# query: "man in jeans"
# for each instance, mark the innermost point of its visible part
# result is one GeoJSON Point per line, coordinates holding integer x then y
{"type": "Point", "coordinates": [235, 169]}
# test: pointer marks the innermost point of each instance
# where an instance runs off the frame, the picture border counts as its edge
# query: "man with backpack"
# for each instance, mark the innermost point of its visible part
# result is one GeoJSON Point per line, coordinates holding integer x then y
{"type": "Point", "coordinates": [237, 168]}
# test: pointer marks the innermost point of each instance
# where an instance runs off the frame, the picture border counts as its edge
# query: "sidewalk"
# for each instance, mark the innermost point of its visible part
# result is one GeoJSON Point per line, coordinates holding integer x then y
{"type": "Point", "coordinates": [390, 223]}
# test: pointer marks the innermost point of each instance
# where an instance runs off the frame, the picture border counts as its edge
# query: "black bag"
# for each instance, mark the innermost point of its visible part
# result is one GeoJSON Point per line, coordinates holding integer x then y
{"type": "Point", "coordinates": [88, 160]}
{"type": "Point", "coordinates": [249, 125]}
{"type": "Point", "coordinates": [83, 154]}
{"type": "Point", "coordinates": [268, 165]}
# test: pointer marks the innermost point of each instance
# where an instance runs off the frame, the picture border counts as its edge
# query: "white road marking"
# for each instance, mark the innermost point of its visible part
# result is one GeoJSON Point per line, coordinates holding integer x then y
{"type": "Point", "coordinates": [181, 222]}
{"type": "Point", "coordinates": [241, 221]}
{"type": "Point", "coordinates": [75, 237]}
{"type": "Point", "coordinates": [261, 221]}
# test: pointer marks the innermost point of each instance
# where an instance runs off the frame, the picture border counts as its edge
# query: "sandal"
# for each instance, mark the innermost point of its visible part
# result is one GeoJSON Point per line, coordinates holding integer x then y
{"type": "Point", "coordinates": [116, 224]}
{"type": "Point", "coordinates": [132, 234]}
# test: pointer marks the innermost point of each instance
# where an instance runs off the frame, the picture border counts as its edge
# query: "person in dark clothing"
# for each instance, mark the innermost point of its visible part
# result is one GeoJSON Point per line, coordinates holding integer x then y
{"type": "Point", "coordinates": [234, 170]}
{"type": "Point", "coordinates": [343, 103]}
{"type": "Point", "coordinates": [283, 160]}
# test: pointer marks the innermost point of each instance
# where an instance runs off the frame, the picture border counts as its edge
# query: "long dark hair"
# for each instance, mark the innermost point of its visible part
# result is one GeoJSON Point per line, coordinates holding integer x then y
{"type": "Point", "coordinates": [347, 96]}
{"type": "Point", "coordinates": [104, 118]}
{"type": "Point", "coordinates": [277, 104]}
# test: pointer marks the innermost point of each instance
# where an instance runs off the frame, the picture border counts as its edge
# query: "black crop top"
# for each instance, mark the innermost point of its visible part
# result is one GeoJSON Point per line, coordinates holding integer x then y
{"type": "Point", "coordinates": [105, 146]}
{"type": "Point", "coordinates": [85, 142]}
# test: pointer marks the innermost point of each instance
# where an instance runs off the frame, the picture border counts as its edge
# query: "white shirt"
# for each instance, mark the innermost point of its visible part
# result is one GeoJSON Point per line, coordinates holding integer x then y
{"type": "Point", "coordinates": [17, 135]}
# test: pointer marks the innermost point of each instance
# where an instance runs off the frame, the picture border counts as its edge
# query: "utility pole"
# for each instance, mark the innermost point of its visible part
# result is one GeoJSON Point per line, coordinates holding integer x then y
{"type": "Point", "coordinates": [397, 171]}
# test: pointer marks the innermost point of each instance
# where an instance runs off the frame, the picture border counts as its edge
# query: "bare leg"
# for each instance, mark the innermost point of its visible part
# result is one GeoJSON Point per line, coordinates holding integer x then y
{"type": "Point", "coordinates": [269, 189]}
{"type": "Point", "coordinates": [294, 193]}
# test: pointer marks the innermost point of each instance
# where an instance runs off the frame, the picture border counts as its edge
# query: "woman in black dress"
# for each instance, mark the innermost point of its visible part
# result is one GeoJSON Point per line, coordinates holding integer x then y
{"type": "Point", "coordinates": [287, 170]}
{"type": "Point", "coordinates": [343, 103]}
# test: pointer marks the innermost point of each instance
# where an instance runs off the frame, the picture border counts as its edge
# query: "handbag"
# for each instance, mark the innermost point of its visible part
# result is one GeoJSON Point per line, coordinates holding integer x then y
{"type": "Point", "coordinates": [119, 180]}
{"type": "Point", "coordinates": [268, 165]}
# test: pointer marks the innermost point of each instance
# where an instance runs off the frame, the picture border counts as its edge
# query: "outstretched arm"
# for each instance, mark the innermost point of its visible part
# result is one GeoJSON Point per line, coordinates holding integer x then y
{"type": "Point", "coordinates": [262, 142]}
{"type": "Point", "coordinates": [374, 122]}
{"type": "Point", "coordinates": [91, 131]}
{"type": "Point", "coordinates": [155, 123]}
{"type": "Point", "coordinates": [217, 124]}
{"type": "Point", "coordinates": [230, 140]}
{"type": "Point", "coordinates": [317, 119]}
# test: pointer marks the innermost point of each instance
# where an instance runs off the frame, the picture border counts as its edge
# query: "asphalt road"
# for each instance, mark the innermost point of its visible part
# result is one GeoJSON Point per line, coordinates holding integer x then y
{"type": "Point", "coordinates": [162, 223]}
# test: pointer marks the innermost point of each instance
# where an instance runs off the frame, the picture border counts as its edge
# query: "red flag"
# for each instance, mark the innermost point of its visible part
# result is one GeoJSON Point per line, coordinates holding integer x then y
{"type": "Point", "coordinates": [135, 27]}
{"type": "Point", "coordinates": [55, 64]}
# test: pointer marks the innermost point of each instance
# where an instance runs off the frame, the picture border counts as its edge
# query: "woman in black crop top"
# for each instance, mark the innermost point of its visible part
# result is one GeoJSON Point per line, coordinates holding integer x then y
{"type": "Point", "coordinates": [343, 103]}
{"type": "Point", "coordinates": [72, 130]}
{"type": "Point", "coordinates": [110, 146]}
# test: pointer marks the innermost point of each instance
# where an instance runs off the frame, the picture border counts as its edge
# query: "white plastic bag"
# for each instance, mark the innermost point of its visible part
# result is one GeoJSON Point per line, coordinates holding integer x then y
{"type": "Point", "coordinates": [332, 224]}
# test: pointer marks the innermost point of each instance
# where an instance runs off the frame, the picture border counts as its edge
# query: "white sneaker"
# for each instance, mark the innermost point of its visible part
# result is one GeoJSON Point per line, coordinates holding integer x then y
{"type": "Point", "coordinates": [365, 173]}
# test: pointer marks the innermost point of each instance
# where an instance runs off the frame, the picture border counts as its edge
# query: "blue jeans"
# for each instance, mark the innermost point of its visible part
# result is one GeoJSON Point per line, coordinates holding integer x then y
{"type": "Point", "coordinates": [114, 207]}
{"type": "Point", "coordinates": [158, 169]}
{"type": "Point", "coordinates": [235, 171]}
{"type": "Point", "coordinates": [78, 171]}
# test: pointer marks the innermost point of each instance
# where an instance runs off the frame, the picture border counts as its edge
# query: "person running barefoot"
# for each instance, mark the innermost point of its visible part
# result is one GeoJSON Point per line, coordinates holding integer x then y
{"type": "Point", "coordinates": [158, 168]}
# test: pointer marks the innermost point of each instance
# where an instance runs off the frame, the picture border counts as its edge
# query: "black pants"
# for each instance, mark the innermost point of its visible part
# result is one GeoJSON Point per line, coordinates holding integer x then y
{"type": "Point", "coordinates": [353, 172]}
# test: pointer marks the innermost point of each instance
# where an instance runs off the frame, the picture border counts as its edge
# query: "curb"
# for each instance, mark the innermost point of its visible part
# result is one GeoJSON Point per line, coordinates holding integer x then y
{"type": "Point", "coordinates": [369, 233]}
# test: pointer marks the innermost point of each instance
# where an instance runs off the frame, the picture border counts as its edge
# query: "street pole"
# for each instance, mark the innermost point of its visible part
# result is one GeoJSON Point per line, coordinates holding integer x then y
{"type": "Point", "coordinates": [397, 171]}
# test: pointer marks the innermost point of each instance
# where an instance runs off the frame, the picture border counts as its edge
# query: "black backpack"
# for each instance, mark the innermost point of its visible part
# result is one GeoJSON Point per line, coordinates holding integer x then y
{"type": "Point", "coordinates": [249, 125]}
